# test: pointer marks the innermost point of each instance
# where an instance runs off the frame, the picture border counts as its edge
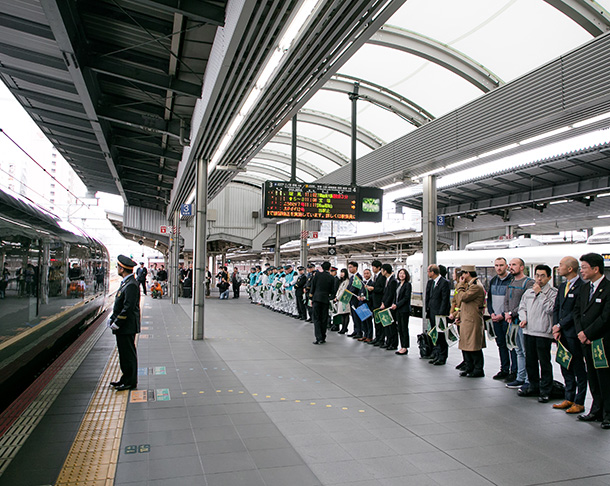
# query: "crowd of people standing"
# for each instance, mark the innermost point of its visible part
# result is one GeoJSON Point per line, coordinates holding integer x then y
{"type": "Point", "coordinates": [524, 316]}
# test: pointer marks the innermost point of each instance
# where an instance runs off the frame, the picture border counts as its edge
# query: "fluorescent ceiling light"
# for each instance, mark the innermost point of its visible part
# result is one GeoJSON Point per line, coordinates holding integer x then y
{"type": "Point", "coordinates": [389, 186]}
{"type": "Point", "coordinates": [591, 120]}
{"type": "Point", "coordinates": [497, 151]}
{"type": "Point", "coordinates": [605, 194]}
{"type": "Point", "coordinates": [527, 224]}
{"type": "Point", "coordinates": [560, 201]}
{"type": "Point", "coordinates": [602, 216]}
{"type": "Point", "coordinates": [462, 162]}
{"type": "Point", "coordinates": [545, 135]}
{"type": "Point", "coordinates": [292, 32]}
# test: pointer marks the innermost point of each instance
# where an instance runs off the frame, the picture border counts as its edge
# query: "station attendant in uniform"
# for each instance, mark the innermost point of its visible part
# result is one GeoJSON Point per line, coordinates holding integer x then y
{"type": "Point", "coordinates": [125, 324]}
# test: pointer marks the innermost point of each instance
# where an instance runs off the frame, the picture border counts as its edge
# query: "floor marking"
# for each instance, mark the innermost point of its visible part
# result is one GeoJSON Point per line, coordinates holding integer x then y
{"type": "Point", "coordinates": [95, 451]}
{"type": "Point", "coordinates": [163, 395]}
{"type": "Point", "coordinates": [138, 396]}
{"type": "Point", "coordinates": [142, 371]}
{"type": "Point", "coordinates": [160, 370]}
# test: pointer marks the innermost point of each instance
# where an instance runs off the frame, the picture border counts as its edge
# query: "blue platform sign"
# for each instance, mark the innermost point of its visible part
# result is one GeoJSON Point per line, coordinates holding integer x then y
{"type": "Point", "coordinates": [186, 209]}
{"type": "Point", "coordinates": [440, 220]}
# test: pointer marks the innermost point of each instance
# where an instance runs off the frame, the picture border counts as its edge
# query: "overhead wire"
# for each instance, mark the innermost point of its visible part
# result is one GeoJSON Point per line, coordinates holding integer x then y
{"type": "Point", "coordinates": [40, 165]}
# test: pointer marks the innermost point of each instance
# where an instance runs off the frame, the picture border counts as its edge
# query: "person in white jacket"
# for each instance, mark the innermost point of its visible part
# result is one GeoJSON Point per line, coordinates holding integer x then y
{"type": "Point", "coordinates": [536, 320]}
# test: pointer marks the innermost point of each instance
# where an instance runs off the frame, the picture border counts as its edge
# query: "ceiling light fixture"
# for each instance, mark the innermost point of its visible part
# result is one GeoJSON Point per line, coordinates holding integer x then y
{"type": "Point", "coordinates": [292, 32]}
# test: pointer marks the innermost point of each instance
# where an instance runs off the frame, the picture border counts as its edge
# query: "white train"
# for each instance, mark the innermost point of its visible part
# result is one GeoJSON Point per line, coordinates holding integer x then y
{"type": "Point", "coordinates": [483, 253]}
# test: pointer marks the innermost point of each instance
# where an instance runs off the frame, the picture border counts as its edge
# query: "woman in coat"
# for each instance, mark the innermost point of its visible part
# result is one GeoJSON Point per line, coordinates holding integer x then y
{"type": "Point", "coordinates": [342, 309]}
{"type": "Point", "coordinates": [403, 309]}
{"type": "Point", "coordinates": [471, 302]}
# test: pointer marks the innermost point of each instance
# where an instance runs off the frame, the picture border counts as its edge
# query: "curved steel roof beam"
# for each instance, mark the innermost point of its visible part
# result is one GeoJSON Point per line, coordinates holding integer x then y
{"type": "Point", "coordinates": [438, 53]}
{"type": "Point", "coordinates": [380, 96]}
{"type": "Point", "coordinates": [340, 125]}
{"type": "Point", "coordinates": [279, 174]}
{"type": "Point", "coordinates": [589, 14]}
{"type": "Point", "coordinates": [285, 159]}
{"type": "Point", "coordinates": [313, 146]}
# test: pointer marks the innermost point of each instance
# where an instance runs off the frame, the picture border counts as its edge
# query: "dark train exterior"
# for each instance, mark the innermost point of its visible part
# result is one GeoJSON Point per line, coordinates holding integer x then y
{"type": "Point", "coordinates": [54, 283]}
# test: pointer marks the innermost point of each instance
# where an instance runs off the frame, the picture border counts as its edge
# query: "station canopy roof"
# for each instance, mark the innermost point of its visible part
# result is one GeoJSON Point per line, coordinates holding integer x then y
{"type": "Point", "coordinates": [141, 67]}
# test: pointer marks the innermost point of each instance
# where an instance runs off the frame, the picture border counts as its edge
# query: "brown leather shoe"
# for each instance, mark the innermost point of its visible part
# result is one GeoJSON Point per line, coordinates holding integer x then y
{"type": "Point", "coordinates": [362, 339]}
{"type": "Point", "coordinates": [368, 340]}
{"type": "Point", "coordinates": [575, 408]}
{"type": "Point", "coordinates": [563, 405]}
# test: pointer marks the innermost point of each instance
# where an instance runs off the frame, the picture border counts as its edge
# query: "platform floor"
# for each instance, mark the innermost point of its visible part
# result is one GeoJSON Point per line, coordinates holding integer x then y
{"type": "Point", "coordinates": [256, 404]}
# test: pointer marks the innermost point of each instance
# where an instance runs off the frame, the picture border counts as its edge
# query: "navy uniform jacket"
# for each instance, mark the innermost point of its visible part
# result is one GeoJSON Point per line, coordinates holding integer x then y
{"type": "Point", "coordinates": [300, 284]}
{"type": "Point", "coordinates": [322, 287]}
{"type": "Point", "coordinates": [126, 311]}
{"type": "Point", "coordinates": [593, 316]}
{"type": "Point", "coordinates": [389, 293]}
{"type": "Point", "coordinates": [563, 312]}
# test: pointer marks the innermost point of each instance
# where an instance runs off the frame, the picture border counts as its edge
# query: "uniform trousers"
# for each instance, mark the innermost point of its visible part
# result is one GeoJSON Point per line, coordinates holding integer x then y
{"type": "Point", "coordinates": [128, 358]}
{"type": "Point", "coordinates": [300, 304]}
{"type": "Point", "coordinates": [320, 319]}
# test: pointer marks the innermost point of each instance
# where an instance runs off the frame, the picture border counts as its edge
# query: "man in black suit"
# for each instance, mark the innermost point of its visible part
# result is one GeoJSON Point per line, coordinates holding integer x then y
{"type": "Point", "coordinates": [376, 294]}
{"type": "Point", "coordinates": [141, 274]}
{"type": "Point", "coordinates": [125, 324]}
{"type": "Point", "coordinates": [438, 303]}
{"type": "Point", "coordinates": [575, 376]}
{"type": "Point", "coordinates": [592, 322]}
{"type": "Point", "coordinates": [298, 292]}
{"type": "Point", "coordinates": [322, 288]}
{"type": "Point", "coordinates": [387, 302]}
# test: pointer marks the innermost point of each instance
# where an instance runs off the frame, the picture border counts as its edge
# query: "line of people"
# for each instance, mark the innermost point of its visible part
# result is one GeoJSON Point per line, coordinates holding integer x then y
{"type": "Point", "coordinates": [526, 315]}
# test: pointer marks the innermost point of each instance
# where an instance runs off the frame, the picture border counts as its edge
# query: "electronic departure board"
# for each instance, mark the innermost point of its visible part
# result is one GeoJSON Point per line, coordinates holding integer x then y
{"type": "Point", "coordinates": [321, 201]}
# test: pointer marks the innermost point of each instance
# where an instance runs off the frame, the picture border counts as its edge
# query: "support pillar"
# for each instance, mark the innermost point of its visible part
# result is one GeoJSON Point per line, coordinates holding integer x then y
{"type": "Point", "coordinates": [429, 213]}
{"type": "Point", "coordinates": [354, 99]}
{"type": "Point", "coordinates": [199, 250]}
{"type": "Point", "coordinates": [304, 248]}
{"type": "Point", "coordinates": [176, 252]}
{"type": "Point", "coordinates": [276, 256]}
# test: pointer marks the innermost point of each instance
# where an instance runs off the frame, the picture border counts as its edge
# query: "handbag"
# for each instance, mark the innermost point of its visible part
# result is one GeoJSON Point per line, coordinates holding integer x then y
{"type": "Point", "coordinates": [363, 312]}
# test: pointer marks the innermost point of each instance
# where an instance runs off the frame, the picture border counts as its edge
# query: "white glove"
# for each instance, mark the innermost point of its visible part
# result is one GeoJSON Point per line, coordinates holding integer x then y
{"type": "Point", "coordinates": [109, 322]}
{"type": "Point", "coordinates": [114, 327]}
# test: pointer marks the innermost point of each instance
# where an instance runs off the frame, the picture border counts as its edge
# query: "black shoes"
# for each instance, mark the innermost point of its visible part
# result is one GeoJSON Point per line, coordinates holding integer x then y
{"type": "Point", "coordinates": [605, 424]}
{"type": "Point", "coordinates": [356, 336]}
{"type": "Point", "coordinates": [125, 387]}
{"type": "Point", "coordinates": [527, 392]}
{"type": "Point", "coordinates": [352, 334]}
{"type": "Point", "coordinates": [501, 375]}
{"type": "Point", "coordinates": [590, 417]}
{"type": "Point", "coordinates": [334, 328]}
{"type": "Point", "coordinates": [543, 399]}
{"type": "Point", "coordinates": [472, 374]}
{"type": "Point", "coordinates": [461, 366]}
{"type": "Point", "coordinates": [115, 383]}
{"type": "Point", "coordinates": [342, 331]}
{"type": "Point", "coordinates": [439, 362]}
{"type": "Point", "coordinates": [432, 361]}
{"type": "Point", "coordinates": [319, 342]}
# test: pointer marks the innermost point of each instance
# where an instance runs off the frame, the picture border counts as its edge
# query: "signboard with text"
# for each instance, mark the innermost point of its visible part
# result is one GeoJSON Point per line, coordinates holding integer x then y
{"type": "Point", "coordinates": [297, 200]}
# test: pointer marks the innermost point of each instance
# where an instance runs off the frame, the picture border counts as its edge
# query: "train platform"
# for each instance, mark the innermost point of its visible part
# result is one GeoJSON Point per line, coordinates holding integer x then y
{"type": "Point", "coordinates": [256, 404]}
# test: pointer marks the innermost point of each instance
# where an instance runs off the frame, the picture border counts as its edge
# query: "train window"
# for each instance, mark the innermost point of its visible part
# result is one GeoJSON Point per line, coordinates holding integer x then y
{"type": "Point", "coordinates": [557, 279]}
{"type": "Point", "coordinates": [19, 259]}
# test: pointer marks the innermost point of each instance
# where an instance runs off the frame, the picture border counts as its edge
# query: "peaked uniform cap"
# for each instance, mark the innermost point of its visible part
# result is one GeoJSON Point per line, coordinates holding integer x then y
{"type": "Point", "coordinates": [126, 262]}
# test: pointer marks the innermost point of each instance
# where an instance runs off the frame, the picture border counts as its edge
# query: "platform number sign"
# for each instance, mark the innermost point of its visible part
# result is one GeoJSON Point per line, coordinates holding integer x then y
{"type": "Point", "coordinates": [332, 240]}
{"type": "Point", "coordinates": [163, 230]}
{"type": "Point", "coordinates": [440, 220]}
{"type": "Point", "coordinates": [186, 209]}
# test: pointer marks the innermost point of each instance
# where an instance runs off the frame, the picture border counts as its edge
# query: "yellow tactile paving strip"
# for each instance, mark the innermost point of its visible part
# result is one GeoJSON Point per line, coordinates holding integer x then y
{"type": "Point", "coordinates": [93, 458]}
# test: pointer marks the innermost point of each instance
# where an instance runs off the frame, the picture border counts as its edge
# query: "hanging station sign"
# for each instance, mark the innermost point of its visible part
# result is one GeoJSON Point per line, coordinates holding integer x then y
{"type": "Point", "coordinates": [321, 201]}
